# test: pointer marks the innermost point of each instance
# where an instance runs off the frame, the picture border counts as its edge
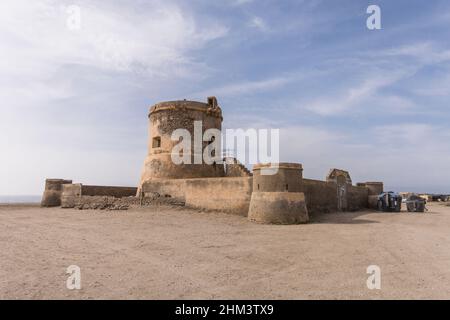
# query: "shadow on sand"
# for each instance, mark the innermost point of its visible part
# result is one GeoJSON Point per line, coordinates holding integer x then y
{"type": "Point", "coordinates": [342, 217]}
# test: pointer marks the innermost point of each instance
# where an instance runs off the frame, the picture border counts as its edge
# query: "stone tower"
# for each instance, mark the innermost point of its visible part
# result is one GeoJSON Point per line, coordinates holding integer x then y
{"type": "Point", "coordinates": [164, 119]}
{"type": "Point", "coordinates": [277, 196]}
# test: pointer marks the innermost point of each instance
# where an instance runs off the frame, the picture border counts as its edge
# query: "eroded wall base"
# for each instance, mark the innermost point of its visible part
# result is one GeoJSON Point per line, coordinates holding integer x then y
{"type": "Point", "coordinates": [278, 208]}
{"type": "Point", "coordinates": [230, 195]}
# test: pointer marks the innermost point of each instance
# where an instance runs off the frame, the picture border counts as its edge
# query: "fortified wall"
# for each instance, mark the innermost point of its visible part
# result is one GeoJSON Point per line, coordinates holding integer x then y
{"type": "Point", "coordinates": [273, 193]}
{"type": "Point", "coordinates": [64, 193]}
{"type": "Point", "coordinates": [233, 194]}
{"type": "Point", "coordinates": [283, 197]}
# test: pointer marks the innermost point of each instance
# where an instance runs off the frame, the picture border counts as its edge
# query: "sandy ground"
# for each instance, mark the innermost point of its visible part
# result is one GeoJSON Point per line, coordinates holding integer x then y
{"type": "Point", "coordinates": [176, 253]}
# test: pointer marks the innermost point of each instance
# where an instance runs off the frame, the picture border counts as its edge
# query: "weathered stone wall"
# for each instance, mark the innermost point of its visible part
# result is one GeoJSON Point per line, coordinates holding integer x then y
{"type": "Point", "coordinates": [70, 194]}
{"type": "Point", "coordinates": [231, 195]}
{"type": "Point", "coordinates": [277, 196]}
{"type": "Point", "coordinates": [373, 202]}
{"type": "Point", "coordinates": [375, 188]}
{"type": "Point", "coordinates": [74, 194]}
{"type": "Point", "coordinates": [321, 196]}
{"type": "Point", "coordinates": [358, 198]}
{"type": "Point", "coordinates": [117, 192]}
{"type": "Point", "coordinates": [284, 177]}
{"type": "Point", "coordinates": [53, 191]}
{"type": "Point", "coordinates": [174, 188]}
{"type": "Point", "coordinates": [278, 208]}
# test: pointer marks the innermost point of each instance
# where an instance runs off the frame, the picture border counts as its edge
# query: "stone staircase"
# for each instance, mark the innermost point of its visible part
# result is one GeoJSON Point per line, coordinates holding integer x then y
{"type": "Point", "coordinates": [233, 168]}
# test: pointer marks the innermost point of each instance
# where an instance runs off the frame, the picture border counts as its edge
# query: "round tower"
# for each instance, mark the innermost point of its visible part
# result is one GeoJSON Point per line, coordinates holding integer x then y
{"type": "Point", "coordinates": [278, 178]}
{"type": "Point", "coordinates": [164, 119]}
{"type": "Point", "coordinates": [277, 196]}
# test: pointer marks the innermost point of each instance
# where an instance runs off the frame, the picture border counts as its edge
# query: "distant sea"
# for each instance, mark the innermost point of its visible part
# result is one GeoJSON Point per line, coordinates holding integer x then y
{"type": "Point", "coordinates": [20, 199]}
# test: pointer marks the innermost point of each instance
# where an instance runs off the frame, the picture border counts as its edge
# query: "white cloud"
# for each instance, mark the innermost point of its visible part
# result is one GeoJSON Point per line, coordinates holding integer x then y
{"type": "Point", "coordinates": [258, 23]}
{"type": "Point", "coordinates": [424, 52]}
{"type": "Point", "coordinates": [320, 148]}
{"type": "Point", "coordinates": [354, 97]}
{"type": "Point", "coordinates": [59, 87]}
{"type": "Point", "coordinates": [413, 135]}
{"type": "Point", "coordinates": [156, 41]}
{"type": "Point", "coordinates": [367, 93]}
{"type": "Point", "coordinates": [248, 87]}
{"type": "Point", "coordinates": [406, 156]}
{"type": "Point", "coordinates": [56, 84]}
{"type": "Point", "coordinates": [241, 2]}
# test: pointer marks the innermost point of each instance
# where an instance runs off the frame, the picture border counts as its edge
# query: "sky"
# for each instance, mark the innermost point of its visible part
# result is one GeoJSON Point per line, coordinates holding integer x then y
{"type": "Point", "coordinates": [74, 101]}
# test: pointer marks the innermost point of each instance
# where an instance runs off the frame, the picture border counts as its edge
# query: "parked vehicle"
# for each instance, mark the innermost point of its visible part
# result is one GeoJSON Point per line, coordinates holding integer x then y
{"type": "Point", "coordinates": [440, 197]}
{"type": "Point", "coordinates": [389, 202]}
{"type": "Point", "coordinates": [414, 203]}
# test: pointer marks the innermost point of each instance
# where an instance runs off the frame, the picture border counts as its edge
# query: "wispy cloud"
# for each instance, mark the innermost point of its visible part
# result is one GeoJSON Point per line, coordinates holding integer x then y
{"type": "Point", "coordinates": [424, 52]}
{"type": "Point", "coordinates": [343, 96]}
{"type": "Point", "coordinates": [248, 87]}
{"type": "Point", "coordinates": [354, 97]}
{"type": "Point", "coordinates": [156, 41]}
{"type": "Point", "coordinates": [405, 155]}
{"type": "Point", "coordinates": [258, 23]}
{"type": "Point", "coordinates": [55, 82]}
{"type": "Point", "coordinates": [241, 2]}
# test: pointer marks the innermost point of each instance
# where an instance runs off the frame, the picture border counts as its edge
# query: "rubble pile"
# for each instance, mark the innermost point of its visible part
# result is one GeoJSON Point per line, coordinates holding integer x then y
{"type": "Point", "coordinates": [112, 203]}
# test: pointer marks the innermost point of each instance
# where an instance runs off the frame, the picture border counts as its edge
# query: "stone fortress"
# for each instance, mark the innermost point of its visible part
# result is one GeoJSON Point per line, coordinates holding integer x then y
{"type": "Point", "coordinates": [279, 197]}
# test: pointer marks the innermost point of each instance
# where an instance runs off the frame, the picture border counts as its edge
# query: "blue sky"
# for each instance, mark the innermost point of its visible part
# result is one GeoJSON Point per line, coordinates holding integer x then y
{"type": "Point", "coordinates": [75, 102]}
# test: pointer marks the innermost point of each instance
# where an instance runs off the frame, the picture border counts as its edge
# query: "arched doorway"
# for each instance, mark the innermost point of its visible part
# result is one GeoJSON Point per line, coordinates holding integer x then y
{"type": "Point", "coordinates": [342, 180]}
{"type": "Point", "coordinates": [342, 193]}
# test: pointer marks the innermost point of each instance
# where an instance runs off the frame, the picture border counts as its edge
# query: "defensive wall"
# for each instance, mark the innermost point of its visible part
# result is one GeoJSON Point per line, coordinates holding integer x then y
{"type": "Point", "coordinates": [60, 192]}
{"type": "Point", "coordinates": [281, 197]}
{"type": "Point", "coordinates": [233, 194]}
